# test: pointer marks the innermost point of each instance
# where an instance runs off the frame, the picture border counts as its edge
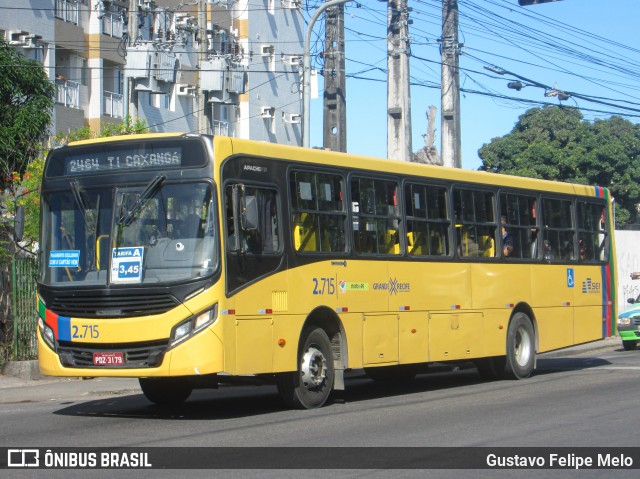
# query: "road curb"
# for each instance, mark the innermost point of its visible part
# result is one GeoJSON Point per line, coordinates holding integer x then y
{"type": "Point", "coordinates": [599, 345]}
{"type": "Point", "coordinates": [26, 370]}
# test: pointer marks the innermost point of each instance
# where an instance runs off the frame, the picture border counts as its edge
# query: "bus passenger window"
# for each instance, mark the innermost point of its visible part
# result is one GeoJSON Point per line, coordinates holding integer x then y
{"type": "Point", "coordinates": [558, 229]}
{"type": "Point", "coordinates": [376, 216]}
{"type": "Point", "coordinates": [427, 220]}
{"type": "Point", "coordinates": [592, 234]}
{"type": "Point", "coordinates": [475, 223]}
{"type": "Point", "coordinates": [518, 218]}
{"type": "Point", "coordinates": [318, 212]}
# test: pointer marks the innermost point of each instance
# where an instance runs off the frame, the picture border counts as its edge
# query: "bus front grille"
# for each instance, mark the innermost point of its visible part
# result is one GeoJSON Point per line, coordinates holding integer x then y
{"type": "Point", "coordinates": [112, 306]}
{"type": "Point", "coordinates": [135, 355]}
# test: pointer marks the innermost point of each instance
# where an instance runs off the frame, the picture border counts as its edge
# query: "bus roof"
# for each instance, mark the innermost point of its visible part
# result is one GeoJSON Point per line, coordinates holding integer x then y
{"type": "Point", "coordinates": [338, 159]}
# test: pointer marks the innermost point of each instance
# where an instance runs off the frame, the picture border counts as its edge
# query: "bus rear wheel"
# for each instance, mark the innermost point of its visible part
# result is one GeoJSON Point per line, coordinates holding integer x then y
{"type": "Point", "coordinates": [310, 386]}
{"type": "Point", "coordinates": [521, 351]}
{"type": "Point", "coordinates": [165, 391]}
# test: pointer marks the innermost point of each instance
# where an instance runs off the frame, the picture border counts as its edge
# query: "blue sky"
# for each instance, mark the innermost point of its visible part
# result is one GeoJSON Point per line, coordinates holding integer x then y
{"type": "Point", "coordinates": [589, 47]}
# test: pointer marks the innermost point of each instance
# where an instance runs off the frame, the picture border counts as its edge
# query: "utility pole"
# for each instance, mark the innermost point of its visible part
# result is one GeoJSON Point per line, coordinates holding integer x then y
{"type": "Point", "coordinates": [203, 124]}
{"type": "Point", "coordinates": [130, 84]}
{"type": "Point", "coordinates": [306, 71]}
{"type": "Point", "coordinates": [398, 92]}
{"type": "Point", "coordinates": [335, 85]}
{"type": "Point", "coordinates": [450, 88]}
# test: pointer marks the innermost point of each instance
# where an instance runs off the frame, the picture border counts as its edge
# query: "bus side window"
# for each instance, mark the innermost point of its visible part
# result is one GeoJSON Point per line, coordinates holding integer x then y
{"type": "Point", "coordinates": [558, 232]}
{"type": "Point", "coordinates": [376, 216]}
{"type": "Point", "coordinates": [427, 220]}
{"type": "Point", "coordinates": [475, 223]}
{"type": "Point", "coordinates": [262, 237]}
{"type": "Point", "coordinates": [592, 234]}
{"type": "Point", "coordinates": [319, 214]}
{"type": "Point", "coordinates": [518, 217]}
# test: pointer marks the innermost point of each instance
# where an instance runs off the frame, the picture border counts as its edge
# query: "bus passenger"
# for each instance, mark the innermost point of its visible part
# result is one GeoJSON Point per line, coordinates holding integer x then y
{"type": "Point", "coordinates": [507, 239]}
{"type": "Point", "coordinates": [548, 251]}
{"type": "Point", "coordinates": [582, 250]}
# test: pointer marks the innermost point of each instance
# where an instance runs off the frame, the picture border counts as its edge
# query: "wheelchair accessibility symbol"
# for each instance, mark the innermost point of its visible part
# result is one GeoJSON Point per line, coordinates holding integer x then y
{"type": "Point", "coordinates": [570, 278]}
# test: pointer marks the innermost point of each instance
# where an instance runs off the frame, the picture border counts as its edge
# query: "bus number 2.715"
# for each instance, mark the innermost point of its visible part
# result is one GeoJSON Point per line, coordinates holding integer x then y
{"type": "Point", "coordinates": [324, 286]}
{"type": "Point", "coordinates": [85, 331]}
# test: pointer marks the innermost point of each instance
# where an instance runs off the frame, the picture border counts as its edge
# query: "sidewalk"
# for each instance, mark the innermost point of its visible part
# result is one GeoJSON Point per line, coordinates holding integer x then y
{"type": "Point", "coordinates": [21, 381]}
{"type": "Point", "coordinates": [612, 343]}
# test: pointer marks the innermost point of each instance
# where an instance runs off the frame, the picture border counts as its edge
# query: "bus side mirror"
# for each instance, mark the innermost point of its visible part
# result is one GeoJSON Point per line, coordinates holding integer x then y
{"type": "Point", "coordinates": [18, 224]}
{"type": "Point", "coordinates": [249, 213]}
{"type": "Point", "coordinates": [631, 301]}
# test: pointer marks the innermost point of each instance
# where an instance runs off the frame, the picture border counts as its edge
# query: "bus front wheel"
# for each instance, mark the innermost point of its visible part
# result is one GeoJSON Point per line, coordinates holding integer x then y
{"type": "Point", "coordinates": [629, 345]}
{"type": "Point", "coordinates": [521, 351]}
{"type": "Point", "coordinates": [165, 391]}
{"type": "Point", "coordinates": [310, 386]}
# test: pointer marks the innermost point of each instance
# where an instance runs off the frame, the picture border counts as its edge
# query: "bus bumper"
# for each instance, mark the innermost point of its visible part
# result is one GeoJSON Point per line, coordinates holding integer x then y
{"type": "Point", "coordinates": [199, 355]}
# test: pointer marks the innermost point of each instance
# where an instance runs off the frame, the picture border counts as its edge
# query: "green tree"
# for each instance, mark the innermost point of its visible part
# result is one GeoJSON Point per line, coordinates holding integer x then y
{"type": "Point", "coordinates": [556, 143]}
{"type": "Point", "coordinates": [27, 99]}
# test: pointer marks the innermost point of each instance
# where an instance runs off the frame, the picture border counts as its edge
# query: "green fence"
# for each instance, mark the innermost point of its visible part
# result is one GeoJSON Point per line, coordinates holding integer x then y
{"type": "Point", "coordinates": [24, 275]}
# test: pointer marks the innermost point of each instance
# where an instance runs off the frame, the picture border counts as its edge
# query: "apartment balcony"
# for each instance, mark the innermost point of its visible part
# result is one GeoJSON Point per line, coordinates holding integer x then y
{"type": "Point", "coordinates": [112, 24]}
{"type": "Point", "coordinates": [68, 93]}
{"type": "Point", "coordinates": [68, 10]}
{"type": "Point", "coordinates": [113, 104]}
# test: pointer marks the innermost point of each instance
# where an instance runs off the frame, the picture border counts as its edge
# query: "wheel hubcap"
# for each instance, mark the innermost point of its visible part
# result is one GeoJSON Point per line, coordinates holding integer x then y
{"type": "Point", "coordinates": [314, 368]}
{"type": "Point", "coordinates": [522, 347]}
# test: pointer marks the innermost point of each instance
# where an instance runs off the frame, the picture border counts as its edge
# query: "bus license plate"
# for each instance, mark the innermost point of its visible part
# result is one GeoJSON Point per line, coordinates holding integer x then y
{"type": "Point", "coordinates": [108, 359]}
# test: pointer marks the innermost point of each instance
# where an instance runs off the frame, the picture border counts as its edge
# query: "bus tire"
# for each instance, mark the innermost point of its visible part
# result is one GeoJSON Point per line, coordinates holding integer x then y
{"type": "Point", "coordinates": [310, 386]}
{"type": "Point", "coordinates": [629, 345]}
{"type": "Point", "coordinates": [521, 351]}
{"type": "Point", "coordinates": [165, 391]}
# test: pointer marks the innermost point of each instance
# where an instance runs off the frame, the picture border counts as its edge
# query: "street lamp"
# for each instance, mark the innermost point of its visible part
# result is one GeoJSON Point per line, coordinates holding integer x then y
{"type": "Point", "coordinates": [306, 75]}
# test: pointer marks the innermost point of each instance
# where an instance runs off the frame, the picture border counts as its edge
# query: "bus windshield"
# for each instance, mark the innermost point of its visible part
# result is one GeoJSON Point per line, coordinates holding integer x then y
{"type": "Point", "coordinates": [160, 232]}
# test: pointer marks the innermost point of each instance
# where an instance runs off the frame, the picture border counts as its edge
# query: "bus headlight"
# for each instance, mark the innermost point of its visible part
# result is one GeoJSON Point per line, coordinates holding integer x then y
{"type": "Point", "coordinates": [192, 325]}
{"type": "Point", "coordinates": [47, 333]}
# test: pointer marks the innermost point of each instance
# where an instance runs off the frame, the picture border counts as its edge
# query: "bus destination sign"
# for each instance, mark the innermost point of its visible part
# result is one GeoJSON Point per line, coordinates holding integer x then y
{"type": "Point", "coordinates": [118, 160]}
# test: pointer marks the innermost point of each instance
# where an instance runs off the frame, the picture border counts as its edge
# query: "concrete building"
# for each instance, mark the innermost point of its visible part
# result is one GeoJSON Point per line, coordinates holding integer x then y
{"type": "Point", "coordinates": [208, 66]}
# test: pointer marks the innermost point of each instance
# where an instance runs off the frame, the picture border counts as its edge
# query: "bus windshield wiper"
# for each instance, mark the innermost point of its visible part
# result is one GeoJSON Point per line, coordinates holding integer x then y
{"type": "Point", "coordinates": [77, 196]}
{"type": "Point", "coordinates": [152, 188]}
{"type": "Point", "coordinates": [80, 199]}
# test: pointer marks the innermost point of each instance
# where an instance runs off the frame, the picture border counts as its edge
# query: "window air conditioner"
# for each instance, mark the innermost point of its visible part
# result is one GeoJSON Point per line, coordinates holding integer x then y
{"type": "Point", "coordinates": [267, 50]}
{"type": "Point", "coordinates": [267, 112]}
{"type": "Point", "coordinates": [291, 4]}
{"type": "Point", "coordinates": [291, 118]}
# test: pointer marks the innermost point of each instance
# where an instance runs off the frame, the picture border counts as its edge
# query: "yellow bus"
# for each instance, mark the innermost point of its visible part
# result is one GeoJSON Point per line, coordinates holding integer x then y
{"type": "Point", "coordinates": [188, 261]}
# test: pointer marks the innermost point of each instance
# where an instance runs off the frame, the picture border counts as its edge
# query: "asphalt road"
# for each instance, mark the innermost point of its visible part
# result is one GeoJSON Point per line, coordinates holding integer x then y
{"type": "Point", "coordinates": [581, 398]}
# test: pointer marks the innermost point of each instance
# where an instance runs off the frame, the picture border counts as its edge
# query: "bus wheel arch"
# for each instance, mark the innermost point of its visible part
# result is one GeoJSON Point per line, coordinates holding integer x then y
{"type": "Point", "coordinates": [327, 319]}
{"type": "Point", "coordinates": [321, 360]}
{"type": "Point", "coordinates": [520, 357]}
